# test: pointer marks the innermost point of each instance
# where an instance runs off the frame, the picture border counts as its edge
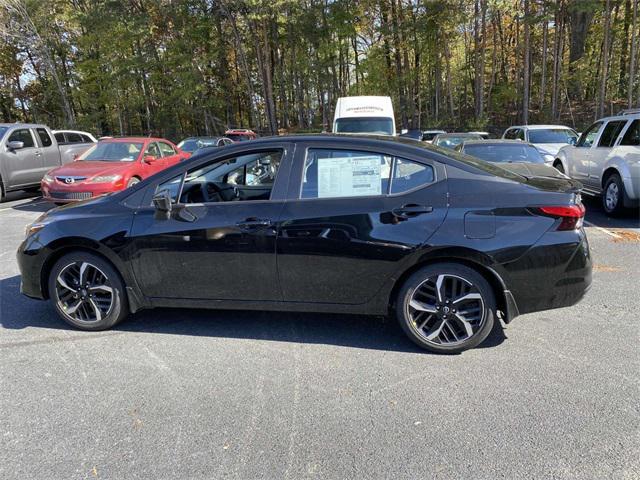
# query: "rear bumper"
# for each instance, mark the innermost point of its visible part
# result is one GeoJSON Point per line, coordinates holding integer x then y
{"type": "Point", "coordinates": [555, 273]}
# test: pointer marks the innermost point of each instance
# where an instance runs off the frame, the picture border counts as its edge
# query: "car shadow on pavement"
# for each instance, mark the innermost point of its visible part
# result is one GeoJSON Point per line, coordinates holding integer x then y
{"type": "Point", "coordinates": [357, 331]}
{"type": "Point", "coordinates": [34, 205]}
{"type": "Point", "coordinates": [597, 216]}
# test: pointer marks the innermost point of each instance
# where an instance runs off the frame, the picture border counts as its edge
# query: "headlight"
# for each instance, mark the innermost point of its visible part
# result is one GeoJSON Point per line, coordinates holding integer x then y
{"type": "Point", "coordinates": [105, 178]}
{"type": "Point", "coordinates": [47, 178]}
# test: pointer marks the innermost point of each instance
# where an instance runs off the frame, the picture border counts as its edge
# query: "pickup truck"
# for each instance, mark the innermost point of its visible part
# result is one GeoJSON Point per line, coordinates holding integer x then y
{"type": "Point", "coordinates": [27, 152]}
{"type": "Point", "coordinates": [606, 160]}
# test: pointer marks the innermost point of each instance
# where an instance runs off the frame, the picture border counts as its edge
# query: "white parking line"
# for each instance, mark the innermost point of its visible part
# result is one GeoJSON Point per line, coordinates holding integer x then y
{"type": "Point", "coordinates": [603, 230]}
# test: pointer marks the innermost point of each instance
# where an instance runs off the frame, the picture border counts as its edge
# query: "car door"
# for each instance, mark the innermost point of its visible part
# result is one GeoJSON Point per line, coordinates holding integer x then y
{"type": "Point", "coordinates": [603, 150]}
{"type": "Point", "coordinates": [169, 154]}
{"type": "Point", "coordinates": [353, 218]}
{"type": "Point", "coordinates": [152, 160]}
{"type": "Point", "coordinates": [217, 243]}
{"type": "Point", "coordinates": [579, 157]}
{"type": "Point", "coordinates": [22, 166]}
{"type": "Point", "coordinates": [50, 155]}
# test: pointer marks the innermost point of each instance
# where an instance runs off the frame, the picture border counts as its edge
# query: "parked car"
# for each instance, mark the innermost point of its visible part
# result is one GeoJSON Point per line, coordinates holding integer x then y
{"type": "Point", "coordinates": [548, 139]}
{"type": "Point", "coordinates": [110, 165]}
{"type": "Point", "coordinates": [413, 133]}
{"type": "Point", "coordinates": [298, 223]}
{"type": "Point", "coordinates": [484, 135]}
{"type": "Point", "coordinates": [516, 156]}
{"type": "Point", "coordinates": [27, 152]}
{"type": "Point", "coordinates": [371, 115]}
{"type": "Point", "coordinates": [191, 144]}
{"type": "Point", "coordinates": [66, 137]}
{"type": "Point", "coordinates": [606, 160]}
{"type": "Point", "coordinates": [240, 134]}
{"type": "Point", "coordinates": [452, 140]}
{"type": "Point", "coordinates": [429, 135]}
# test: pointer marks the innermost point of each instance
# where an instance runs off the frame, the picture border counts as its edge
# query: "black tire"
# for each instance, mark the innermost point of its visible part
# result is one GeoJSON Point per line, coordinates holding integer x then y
{"type": "Point", "coordinates": [96, 296]}
{"type": "Point", "coordinates": [613, 195]}
{"type": "Point", "coordinates": [132, 181]}
{"type": "Point", "coordinates": [469, 281]}
{"type": "Point", "coordinates": [2, 194]}
{"type": "Point", "coordinates": [558, 166]}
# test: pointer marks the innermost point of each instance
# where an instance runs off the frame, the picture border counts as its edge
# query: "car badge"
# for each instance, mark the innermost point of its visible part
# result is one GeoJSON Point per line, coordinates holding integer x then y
{"type": "Point", "coordinates": [69, 180]}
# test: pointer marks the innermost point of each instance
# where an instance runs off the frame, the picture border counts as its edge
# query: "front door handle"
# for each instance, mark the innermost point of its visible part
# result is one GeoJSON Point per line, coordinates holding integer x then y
{"type": "Point", "coordinates": [411, 210]}
{"type": "Point", "coordinates": [254, 223]}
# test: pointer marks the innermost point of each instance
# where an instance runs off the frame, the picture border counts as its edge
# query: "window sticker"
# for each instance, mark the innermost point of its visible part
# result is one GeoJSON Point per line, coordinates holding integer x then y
{"type": "Point", "coordinates": [349, 176]}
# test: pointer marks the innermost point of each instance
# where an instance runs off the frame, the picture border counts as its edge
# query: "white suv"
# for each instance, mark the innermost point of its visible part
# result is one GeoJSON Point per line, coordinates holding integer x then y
{"type": "Point", "coordinates": [606, 160]}
{"type": "Point", "coordinates": [548, 139]}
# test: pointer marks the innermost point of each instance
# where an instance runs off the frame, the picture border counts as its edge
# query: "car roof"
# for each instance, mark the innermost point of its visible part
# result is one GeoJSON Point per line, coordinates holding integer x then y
{"type": "Point", "coordinates": [498, 141]}
{"type": "Point", "coordinates": [23, 125]}
{"type": "Point", "coordinates": [459, 134]}
{"type": "Point", "coordinates": [540, 127]}
{"type": "Point", "coordinates": [134, 139]}
{"type": "Point", "coordinates": [629, 116]}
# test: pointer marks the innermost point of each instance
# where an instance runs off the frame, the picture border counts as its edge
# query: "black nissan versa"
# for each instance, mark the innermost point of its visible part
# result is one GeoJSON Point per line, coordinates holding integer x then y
{"type": "Point", "coordinates": [323, 223]}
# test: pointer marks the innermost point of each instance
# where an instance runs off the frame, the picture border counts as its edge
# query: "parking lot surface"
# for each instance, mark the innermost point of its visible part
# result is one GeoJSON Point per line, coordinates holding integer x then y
{"type": "Point", "coordinates": [213, 394]}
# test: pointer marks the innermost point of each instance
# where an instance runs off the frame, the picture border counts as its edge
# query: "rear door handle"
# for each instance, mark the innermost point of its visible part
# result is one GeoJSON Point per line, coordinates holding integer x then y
{"type": "Point", "coordinates": [254, 223]}
{"type": "Point", "coordinates": [411, 210]}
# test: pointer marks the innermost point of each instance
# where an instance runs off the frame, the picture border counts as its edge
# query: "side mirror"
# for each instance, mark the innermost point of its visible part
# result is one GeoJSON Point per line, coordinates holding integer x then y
{"type": "Point", "coordinates": [150, 159]}
{"type": "Point", "coordinates": [162, 201]}
{"type": "Point", "coordinates": [15, 145]}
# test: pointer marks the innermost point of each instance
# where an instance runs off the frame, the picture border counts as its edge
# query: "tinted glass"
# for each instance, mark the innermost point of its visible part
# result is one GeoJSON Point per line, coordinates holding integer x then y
{"type": "Point", "coordinates": [511, 134]}
{"type": "Point", "coordinates": [23, 135]}
{"type": "Point", "coordinates": [611, 132]}
{"type": "Point", "coordinates": [166, 149]}
{"type": "Point", "coordinates": [238, 137]}
{"type": "Point", "coordinates": [552, 135]}
{"type": "Point", "coordinates": [60, 137]}
{"type": "Point", "coordinates": [379, 125]}
{"type": "Point", "coordinates": [86, 139]}
{"type": "Point", "coordinates": [113, 152]}
{"type": "Point", "coordinates": [74, 137]}
{"type": "Point", "coordinates": [173, 185]}
{"type": "Point", "coordinates": [632, 135]}
{"type": "Point", "coordinates": [408, 175]}
{"type": "Point", "coordinates": [428, 136]}
{"type": "Point", "coordinates": [588, 137]}
{"type": "Point", "coordinates": [345, 173]}
{"type": "Point", "coordinates": [504, 153]}
{"type": "Point", "coordinates": [452, 141]}
{"type": "Point", "coordinates": [45, 139]}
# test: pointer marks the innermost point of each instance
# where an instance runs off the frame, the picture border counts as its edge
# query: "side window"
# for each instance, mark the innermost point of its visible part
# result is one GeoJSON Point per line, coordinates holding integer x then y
{"type": "Point", "coordinates": [632, 135]}
{"type": "Point", "coordinates": [74, 137]}
{"type": "Point", "coordinates": [246, 177]}
{"type": "Point", "coordinates": [173, 185]}
{"type": "Point", "coordinates": [166, 149]}
{"type": "Point", "coordinates": [86, 139]}
{"type": "Point", "coordinates": [22, 135]}
{"type": "Point", "coordinates": [611, 132]}
{"type": "Point", "coordinates": [60, 138]}
{"type": "Point", "coordinates": [408, 175]}
{"type": "Point", "coordinates": [45, 139]}
{"type": "Point", "coordinates": [589, 136]}
{"type": "Point", "coordinates": [510, 134]}
{"type": "Point", "coordinates": [520, 134]}
{"type": "Point", "coordinates": [152, 149]}
{"type": "Point", "coordinates": [345, 173]}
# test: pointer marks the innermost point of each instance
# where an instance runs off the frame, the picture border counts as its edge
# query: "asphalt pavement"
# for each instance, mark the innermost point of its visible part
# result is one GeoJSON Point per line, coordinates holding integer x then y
{"type": "Point", "coordinates": [212, 394]}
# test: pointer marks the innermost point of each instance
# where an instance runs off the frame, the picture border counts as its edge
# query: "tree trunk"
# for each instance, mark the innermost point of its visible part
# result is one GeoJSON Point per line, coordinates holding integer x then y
{"type": "Point", "coordinates": [526, 65]}
{"type": "Point", "coordinates": [545, 41]}
{"type": "Point", "coordinates": [605, 59]}
{"type": "Point", "coordinates": [580, 16]}
{"type": "Point", "coordinates": [634, 49]}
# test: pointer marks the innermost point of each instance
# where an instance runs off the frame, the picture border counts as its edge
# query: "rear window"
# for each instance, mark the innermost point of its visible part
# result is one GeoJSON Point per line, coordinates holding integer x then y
{"type": "Point", "coordinates": [611, 132]}
{"type": "Point", "coordinates": [373, 125]}
{"type": "Point", "coordinates": [74, 137]}
{"type": "Point", "coordinates": [631, 136]}
{"type": "Point", "coordinates": [504, 153]}
{"type": "Point", "coordinates": [553, 135]}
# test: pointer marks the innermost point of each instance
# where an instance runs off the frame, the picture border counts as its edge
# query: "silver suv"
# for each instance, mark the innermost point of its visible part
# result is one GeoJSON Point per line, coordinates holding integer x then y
{"type": "Point", "coordinates": [606, 160]}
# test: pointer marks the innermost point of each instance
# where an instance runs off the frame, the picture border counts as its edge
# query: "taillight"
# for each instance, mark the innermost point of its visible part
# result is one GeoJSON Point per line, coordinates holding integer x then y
{"type": "Point", "coordinates": [572, 215]}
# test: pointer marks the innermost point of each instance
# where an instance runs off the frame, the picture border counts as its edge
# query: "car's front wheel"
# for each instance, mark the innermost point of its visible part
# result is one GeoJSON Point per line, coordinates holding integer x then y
{"type": "Point", "coordinates": [613, 195]}
{"type": "Point", "coordinates": [446, 308]}
{"type": "Point", "coordinates": [558, 166]}
{"type": "Point", "coordinates": [87, 292]}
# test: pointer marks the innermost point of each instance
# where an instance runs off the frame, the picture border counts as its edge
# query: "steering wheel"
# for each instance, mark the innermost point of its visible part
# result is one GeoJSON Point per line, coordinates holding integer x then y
{"type": "Point", "coordinates": [211, 192]}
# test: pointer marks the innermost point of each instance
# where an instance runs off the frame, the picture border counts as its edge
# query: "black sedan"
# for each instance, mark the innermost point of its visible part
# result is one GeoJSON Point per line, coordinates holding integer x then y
{"type": "Point", "coordinates": [323, 223]}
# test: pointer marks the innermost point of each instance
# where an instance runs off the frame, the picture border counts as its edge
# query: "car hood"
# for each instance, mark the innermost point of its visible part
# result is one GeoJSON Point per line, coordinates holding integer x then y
{"type": "Point", "coordinates": [84, 168]}
{"type": "Point", "coordinates": [532, 169]}
{"type": "Point", "coordinates": [549, 148]}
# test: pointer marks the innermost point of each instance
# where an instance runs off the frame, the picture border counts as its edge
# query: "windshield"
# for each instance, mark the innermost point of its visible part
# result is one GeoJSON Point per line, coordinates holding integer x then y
{"type": "Point", "coordinates": [3, 130]}
{"type": "Point", "coordinates": [192, 144]}
{"type": "Point", "coordinates": [453, 141]}
{"type": "Point", "coordinates": [113, 152]}
{"type": "Point", "coordinates": [373, 125]}
{"type": "Point", "coordinates": [429, 136]}
{"type": "Point", "coordinates": [237, 137]}
{"type": "Point", "coordinates": [504, 153]}
{"type": "Point", "coordinates": [553, 135]}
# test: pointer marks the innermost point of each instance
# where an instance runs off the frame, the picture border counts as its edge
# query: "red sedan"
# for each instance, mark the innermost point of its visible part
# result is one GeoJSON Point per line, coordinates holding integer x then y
{"type": "Point", "coordinates": [110, 165]}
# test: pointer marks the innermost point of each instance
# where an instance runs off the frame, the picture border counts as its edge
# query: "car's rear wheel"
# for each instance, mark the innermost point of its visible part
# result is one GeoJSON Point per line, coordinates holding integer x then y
{"type": "Point", "coordinates": [613, 195]}
{"type": "Point", "coordinates": [446, 308]}
{"type": "Point", "coordinates": [87, 292]}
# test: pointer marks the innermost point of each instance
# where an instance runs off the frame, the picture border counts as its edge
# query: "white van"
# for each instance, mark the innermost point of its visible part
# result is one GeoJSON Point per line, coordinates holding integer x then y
{"type": "Point", "coordinates": [367, 114]}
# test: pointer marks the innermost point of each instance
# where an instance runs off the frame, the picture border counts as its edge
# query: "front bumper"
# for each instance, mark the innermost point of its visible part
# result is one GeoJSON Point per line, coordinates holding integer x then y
{"type": "Point", "coordinates": [61, 193]}
{"type": "Point", "coordinates": [31, 262]}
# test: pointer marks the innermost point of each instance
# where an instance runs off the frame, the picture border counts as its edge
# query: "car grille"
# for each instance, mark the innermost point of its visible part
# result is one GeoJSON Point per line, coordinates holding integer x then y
{"type": "Point", "coordinates": [71, 195]}
{"type": "Point", "coordinates": [70, 179]}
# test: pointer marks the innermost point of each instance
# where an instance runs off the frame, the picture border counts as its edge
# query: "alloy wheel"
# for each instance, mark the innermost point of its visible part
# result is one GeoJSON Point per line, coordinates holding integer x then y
{"type": "Point", "coordinates": [611, 196]}
{"type": "Point", "coordinates": [446, 310]}
{"type": "Point", "coordinates": [84, 293]}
